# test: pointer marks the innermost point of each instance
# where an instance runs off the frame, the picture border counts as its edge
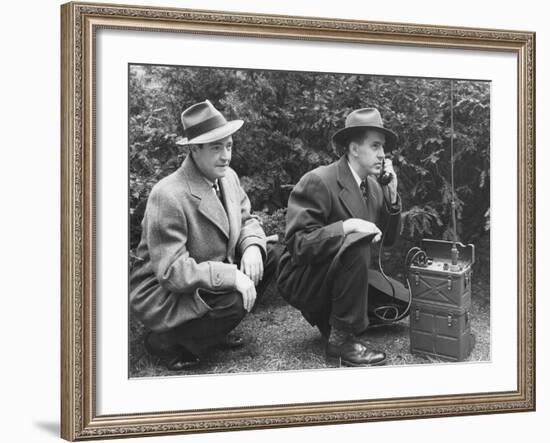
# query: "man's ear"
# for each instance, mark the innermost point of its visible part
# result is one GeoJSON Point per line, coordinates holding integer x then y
{"type": "Point", "coordinates": [352, 148]}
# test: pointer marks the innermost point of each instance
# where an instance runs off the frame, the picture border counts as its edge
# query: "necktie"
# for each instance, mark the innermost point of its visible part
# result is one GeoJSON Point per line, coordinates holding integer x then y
{"type": "Point", "coordinates": [218, 192]}
{"type": "Point", "coordinates": [364, 189]}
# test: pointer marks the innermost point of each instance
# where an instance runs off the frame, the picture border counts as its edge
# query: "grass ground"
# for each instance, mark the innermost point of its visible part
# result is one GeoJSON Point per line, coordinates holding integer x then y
{"type": "Point", "coordinates": [278, 338]}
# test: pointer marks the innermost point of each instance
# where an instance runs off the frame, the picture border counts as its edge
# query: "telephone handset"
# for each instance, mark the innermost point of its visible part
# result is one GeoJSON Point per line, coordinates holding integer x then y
{"type": "Point", "coordinates": [385, 177]}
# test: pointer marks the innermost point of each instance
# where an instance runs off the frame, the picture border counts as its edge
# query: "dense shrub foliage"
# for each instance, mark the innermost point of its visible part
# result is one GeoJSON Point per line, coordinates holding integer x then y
{"type": "Point", "coordinates": [289, 119]}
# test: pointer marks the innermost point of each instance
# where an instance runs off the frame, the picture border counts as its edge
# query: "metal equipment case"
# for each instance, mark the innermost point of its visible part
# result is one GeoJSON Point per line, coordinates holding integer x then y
{"type": "Point", "coordinates": [441, 300]}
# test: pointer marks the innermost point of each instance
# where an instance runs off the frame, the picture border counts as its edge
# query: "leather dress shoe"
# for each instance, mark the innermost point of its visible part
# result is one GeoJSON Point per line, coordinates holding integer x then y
{"type": "Point", "coordinates": [231, 342]}
{"type": "Point", "coordinates": [186, 360]}
{"type": "Point", "coordinates": [353, 353]}
{"type": "Point", "coordinates": [175, 357]}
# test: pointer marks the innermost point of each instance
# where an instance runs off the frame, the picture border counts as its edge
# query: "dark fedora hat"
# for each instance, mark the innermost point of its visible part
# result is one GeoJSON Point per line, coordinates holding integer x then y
{"type": "Point", "coordinates": [360, 119]}
{"type": "Point", "coordinates": [203, 123]}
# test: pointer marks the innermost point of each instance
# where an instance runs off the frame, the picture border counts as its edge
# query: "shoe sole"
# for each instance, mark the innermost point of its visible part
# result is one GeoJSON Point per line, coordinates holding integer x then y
{"type": "Point", "coordinates": [189, 365]}
{"type": "Point", "coordinates": [340, 363]}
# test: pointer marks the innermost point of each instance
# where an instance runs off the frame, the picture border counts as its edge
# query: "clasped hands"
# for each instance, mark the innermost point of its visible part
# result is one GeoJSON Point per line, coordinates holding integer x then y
{"type": "Point", "coordinates": [249, 275]}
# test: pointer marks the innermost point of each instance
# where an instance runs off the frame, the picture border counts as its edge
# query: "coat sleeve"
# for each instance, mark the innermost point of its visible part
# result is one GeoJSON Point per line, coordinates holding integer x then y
{"type": "Point", "coordinates": [166, 229]}
{"type": "Point", "coordinates": [390, 218]}
{"type": "Point", "coordinates": [252, 232]}
{"type": "Point", "coordinates": [309, 237]}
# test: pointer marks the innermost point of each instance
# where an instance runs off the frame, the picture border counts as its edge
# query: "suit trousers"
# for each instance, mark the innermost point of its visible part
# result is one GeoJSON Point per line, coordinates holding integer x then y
{"type": "Point", "coordinates": [225, 313]}
{"type": "Point", "coordinates": [336, 292]}
{"type": "Point", "coordinates": [350, 293]}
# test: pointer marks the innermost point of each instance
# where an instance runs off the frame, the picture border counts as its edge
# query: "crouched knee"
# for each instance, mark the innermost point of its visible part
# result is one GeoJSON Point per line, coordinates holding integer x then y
{"type": "Point", "coordinates": [358, 253]}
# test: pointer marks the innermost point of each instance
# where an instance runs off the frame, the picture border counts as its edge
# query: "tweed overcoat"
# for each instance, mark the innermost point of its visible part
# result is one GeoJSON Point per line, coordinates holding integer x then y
{"type": "Point", "coordinates": [315, 239]}
{"type": "Point", "coordinates": [189, 243]}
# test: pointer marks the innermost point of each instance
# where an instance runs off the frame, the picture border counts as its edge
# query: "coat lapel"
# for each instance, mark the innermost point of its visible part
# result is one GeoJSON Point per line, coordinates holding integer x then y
{"type": "Point", "coordinates": [374, 200]}
{"type": "Point", "coordinates": [350, 194]}
{"type": "Point", "coordinates": [209, 206]}
{"type": "Point", "coordinates": [232, 204]}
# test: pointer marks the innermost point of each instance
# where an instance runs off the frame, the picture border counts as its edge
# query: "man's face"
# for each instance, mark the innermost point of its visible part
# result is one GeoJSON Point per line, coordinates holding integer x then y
{"type": "Point", "coordinates": [213, 158]}
{"type": "Point", "coordinates": [368, 154]}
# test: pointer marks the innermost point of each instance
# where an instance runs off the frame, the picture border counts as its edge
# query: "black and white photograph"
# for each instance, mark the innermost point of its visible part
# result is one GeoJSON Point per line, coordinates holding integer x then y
{"type": "Point", "coordinates": [277, 218]}
{"type": "Point", "coordinates": [290, 220]}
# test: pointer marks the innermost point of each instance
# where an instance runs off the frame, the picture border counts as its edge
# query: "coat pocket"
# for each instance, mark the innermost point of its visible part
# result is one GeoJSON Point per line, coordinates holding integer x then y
{"type": "Point", "coordinates": [201, 305]}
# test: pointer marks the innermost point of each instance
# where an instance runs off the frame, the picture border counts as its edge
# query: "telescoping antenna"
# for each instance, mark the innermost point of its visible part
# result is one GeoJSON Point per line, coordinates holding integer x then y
{"type": "Point", "coordinates": [417, 256]}
{"type": "Point", "coordinates": [454, 249]}
{"type": "Point", "coordinates": [441, 289]}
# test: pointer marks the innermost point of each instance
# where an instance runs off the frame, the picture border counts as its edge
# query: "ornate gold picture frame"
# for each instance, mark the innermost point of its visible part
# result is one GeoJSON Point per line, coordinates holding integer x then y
{"type": "Point", "coordinates": [80, 419]}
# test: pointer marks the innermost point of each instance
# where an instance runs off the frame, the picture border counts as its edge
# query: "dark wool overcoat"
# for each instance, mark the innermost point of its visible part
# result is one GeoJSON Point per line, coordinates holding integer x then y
{"type": "Point", "coordinates": [317, 207]}
{"type": "Point", "coordinates": [189, 243]}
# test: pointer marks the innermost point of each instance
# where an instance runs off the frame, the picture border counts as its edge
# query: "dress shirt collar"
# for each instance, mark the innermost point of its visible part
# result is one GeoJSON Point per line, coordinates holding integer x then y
{"type": "Point", "coordinates": [213, 184]}
{"type": "Point", "coordinates": [355, 176]}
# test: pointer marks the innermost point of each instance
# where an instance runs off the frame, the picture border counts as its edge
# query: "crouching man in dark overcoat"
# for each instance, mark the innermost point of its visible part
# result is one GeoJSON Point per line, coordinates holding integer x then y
{"type": "Point", "coordinates": [336, 213]}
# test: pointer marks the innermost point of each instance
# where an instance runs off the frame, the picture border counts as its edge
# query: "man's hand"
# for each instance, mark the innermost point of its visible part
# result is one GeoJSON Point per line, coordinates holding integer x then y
{"type": "Point", "coordinates": [392, 185]}
{"type": "Point", "coordinates": [252, 264]}
{"type": "Point", "coordinates": [365, 227]}
{"type": "Point", "coordinates": [246, 287]}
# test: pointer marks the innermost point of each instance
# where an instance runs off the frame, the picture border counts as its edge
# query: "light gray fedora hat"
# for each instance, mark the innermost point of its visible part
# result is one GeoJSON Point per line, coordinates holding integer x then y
{"type": "Point", "coordinates": [365, 118]}
{"type": "Point", "coordinates": [203, 123]}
